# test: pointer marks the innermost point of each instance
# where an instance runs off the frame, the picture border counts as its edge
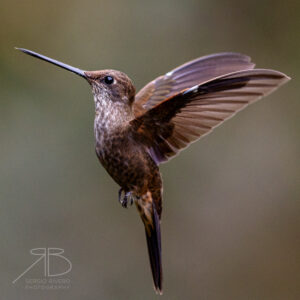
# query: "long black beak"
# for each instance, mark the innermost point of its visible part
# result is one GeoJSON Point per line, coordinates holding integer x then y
{"type": "Point", "coordinates": [55, 62]}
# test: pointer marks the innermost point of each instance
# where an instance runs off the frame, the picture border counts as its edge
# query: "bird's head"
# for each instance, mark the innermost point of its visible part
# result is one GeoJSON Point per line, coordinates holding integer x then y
{"type": "Point", "coordinates": [114, 85]}
{"type": "Point", "coordinates": [111, 85]}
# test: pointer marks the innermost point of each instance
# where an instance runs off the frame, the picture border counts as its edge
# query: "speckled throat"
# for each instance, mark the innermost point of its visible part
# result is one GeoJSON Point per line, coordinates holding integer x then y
{"type": "Point", "coordinates": [111, 119]}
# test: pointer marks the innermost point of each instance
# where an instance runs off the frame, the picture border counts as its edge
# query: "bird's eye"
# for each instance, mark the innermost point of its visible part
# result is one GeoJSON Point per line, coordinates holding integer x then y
{"type": "Point", "coordinates": [108, 79]}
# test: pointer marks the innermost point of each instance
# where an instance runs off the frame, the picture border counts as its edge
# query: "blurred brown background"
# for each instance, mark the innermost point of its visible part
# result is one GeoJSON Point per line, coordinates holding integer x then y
{"type": "Point", "coordinates": [231, 218]}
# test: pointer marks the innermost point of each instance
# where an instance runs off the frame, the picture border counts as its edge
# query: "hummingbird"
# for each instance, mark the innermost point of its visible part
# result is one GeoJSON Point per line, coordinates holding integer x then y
{"type": "Point", "coordinates": [136, 132]}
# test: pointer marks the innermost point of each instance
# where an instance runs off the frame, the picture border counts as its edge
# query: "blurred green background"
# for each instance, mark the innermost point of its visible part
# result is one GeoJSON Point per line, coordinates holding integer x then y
{"type": "Point", "coordinates": [231, 218]}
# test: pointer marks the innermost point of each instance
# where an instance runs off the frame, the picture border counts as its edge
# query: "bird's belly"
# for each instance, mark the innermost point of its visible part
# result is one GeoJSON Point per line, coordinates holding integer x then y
{"type": "Point", "coordinates": [126, 164]}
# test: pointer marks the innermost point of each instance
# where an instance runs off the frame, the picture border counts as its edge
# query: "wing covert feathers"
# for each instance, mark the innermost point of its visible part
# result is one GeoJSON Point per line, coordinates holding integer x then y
{"type": "Point", "coordinates": [183, 118]}
{"type": "Point", "coordinates": [189, 74]}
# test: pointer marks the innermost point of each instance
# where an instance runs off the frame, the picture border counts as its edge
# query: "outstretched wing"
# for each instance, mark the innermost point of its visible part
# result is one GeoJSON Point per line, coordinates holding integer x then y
{"type": "Point", "coordinates": [185, 117]}
{"type": "Point", "coordinates": [194, 72]}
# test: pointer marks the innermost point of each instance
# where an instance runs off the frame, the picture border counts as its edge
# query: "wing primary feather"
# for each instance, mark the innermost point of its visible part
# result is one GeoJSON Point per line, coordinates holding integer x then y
{"type": "Point", "coordinates": [174, 123]}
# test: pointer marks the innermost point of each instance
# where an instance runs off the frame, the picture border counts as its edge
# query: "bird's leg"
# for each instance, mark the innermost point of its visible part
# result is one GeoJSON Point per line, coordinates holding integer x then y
{"type": "Point", "coordinates": [123, 198]}
{"type": "Point", "coordinates": [131, 197]}
{"type": "Point", "coordinates": [120, 195]}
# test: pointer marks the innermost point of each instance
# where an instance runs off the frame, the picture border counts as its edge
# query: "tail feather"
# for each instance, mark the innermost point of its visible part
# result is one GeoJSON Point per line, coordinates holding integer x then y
{"type": "Point", "coordinates": [154, 250]}
{"type": "Point", "coordinates": [151, 220]}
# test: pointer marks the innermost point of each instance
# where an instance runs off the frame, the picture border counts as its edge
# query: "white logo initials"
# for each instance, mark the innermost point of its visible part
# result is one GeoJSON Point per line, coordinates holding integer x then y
{"type": "Point", "coordinates": [45, 254]}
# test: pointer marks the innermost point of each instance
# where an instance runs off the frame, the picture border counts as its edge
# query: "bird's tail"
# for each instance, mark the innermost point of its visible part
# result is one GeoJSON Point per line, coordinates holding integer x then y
{"type": "Point", "coordinates": [151, 220]}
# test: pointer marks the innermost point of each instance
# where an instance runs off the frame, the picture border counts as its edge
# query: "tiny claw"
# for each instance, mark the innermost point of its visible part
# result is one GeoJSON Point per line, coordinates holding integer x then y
{"type": "Point", "coordinates": [123, 199]}
{"type": "Point", "coordinates": [129, 197]}
{"type": "Point", "coordinates": [120, 195]}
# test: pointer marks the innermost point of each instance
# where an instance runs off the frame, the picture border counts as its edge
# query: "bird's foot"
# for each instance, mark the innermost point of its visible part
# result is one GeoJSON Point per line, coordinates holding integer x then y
{"type": "Point", "coordinates": [125, 198]}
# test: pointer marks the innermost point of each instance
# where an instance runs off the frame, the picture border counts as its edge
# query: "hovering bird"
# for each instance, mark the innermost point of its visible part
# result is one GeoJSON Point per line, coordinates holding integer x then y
{"type": "Point", "coordinates": [135, 133]}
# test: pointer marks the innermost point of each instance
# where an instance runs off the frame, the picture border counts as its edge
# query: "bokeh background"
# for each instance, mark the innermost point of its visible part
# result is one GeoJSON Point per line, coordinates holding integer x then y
{"type": "Point", "coordinates": [231, 219]}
